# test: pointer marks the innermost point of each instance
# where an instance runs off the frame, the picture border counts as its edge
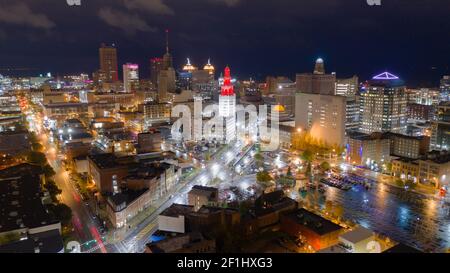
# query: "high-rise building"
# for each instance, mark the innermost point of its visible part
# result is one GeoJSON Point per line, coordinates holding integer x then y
{"type": "Point", "coordinates": [227, 106]}
{"type": "Point", "coordinates": [323, 116]}
{"type": "Point", "coordinates": [130, 77]}
{"type": "Point", "coordinates": [353, 121]}
{"type": "Point", "coordinates": [167, 76]}
{"type": "Point", "coordinates": [383, 105]}
{"type": "Point", "coordinates": [156, 65]}
{"type": "Point", "coordinates": [167, 57]}
{"type": "Point", "coordinates": [445, 88]}
{"type": "Point", "coordinates": [425, 96]}
{"type": "Point", "coordinates": [440, 128]}
{"type": "Point", "coordinates": [108, 63]}
{"type": "Point", "coordinates": [317, 82]}
{"type": "Point", "coordinates": [347, 87]}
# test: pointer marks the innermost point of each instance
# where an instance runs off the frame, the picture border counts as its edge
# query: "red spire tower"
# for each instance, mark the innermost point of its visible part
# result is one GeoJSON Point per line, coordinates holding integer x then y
{"type": "Point", "coordinates": [227, 88]}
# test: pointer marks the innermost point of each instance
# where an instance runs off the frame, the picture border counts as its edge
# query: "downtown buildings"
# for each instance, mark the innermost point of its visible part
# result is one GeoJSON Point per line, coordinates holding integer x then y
{"type": "Point", "coordinates": [384, 105]}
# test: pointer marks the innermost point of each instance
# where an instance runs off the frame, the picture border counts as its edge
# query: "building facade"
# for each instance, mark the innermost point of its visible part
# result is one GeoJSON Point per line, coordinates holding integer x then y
{"type": "Point", "coordinates": [383, 105]}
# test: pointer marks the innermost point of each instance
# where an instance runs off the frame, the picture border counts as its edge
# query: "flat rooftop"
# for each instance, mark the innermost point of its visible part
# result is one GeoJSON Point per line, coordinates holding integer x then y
{"type": "Point", "coordinates": [177, 209]}
{"type": "Point", "coordinates": [312, 221]}
{"type": "Point", "coordinates": [357, 235]}
{"type": "Point", "coordinates": [20, 200]}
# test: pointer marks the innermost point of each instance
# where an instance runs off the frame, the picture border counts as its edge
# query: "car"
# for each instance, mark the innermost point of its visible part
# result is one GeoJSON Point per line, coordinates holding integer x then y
{"type": "Point", "coordinates": [86, 203]}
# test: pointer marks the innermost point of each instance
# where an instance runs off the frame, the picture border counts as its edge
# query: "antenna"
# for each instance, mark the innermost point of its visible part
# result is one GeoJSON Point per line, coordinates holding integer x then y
{"type": "Point", "coordinates": [167, 41]}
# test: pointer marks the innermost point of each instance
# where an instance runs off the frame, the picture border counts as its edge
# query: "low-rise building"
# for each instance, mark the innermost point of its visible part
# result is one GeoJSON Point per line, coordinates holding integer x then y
{"type": "Point", "coordinates": [24, 220]}
{"type": "Point", "coordinates": [200, 196]}
{"type": "Point", "coordinates": [14, 142]}
{"type": "Point", "coordinates": [369, 150]}
{"type": "Point", "coordinates": [123, 206]}
{"type": "Point", "coordinates": [317, 231]}
{"type": "Point", "coordinates": [408, 146]}
{"type": "Point", "coordinates": [173, 219]}
{"type": "Point", "coordinates": [432, 169]}
{"type": "Point", "coordinates": [358, 240]}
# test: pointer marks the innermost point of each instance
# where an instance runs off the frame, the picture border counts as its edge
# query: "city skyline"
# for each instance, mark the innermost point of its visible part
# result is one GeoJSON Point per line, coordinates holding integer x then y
{"type": "Point", "coordinates": [390, 37]}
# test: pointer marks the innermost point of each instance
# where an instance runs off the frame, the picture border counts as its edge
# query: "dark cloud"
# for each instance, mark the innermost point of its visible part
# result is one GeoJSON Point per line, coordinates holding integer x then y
{"type": "Point", "coordinates": [21, 14]}
{"type": "Point", "coordinates": [255, 37]}
{"type": "Point", "coordinates": [152, 6]}
{"type": "Point", "coordinates": [130, 23]}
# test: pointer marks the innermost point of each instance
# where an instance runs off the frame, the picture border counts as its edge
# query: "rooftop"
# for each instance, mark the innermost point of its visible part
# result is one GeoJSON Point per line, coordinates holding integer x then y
{"type": "Point", "coordinates": [177, 209]}
{"type": "Point", "coordinates": [402, 248]}
{"type": "Point", "coordinates": [210, 192]}
{"type": "Point", "coordinates": [126, 197]}
{"type": "Point", "coordinates": [313, 221]}
{"type": "Point", "coordinates": [357, 235]}
{"type": "Point", "coordinates": [47, 242]}
{"type": "Point", "coordinates": [20, 199]}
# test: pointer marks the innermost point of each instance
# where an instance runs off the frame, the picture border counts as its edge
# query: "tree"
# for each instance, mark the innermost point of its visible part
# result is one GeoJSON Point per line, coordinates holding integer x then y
{"type": "Point", "coordinates": [399, 183]}
{"type": "Point", "coordinates": [339, 211]}
{"type": "Point", "coordinates": [48, 171]}
{"type": "Point", "coordinates": [61, 212]}
{"type": "Point", "coordinates": [263, 178]}
{"type": "Point", "coordinates": [329, 206]}
{"type": "Point", "coordinates": [33, 138]}
{"type": "Point", "coordinates": [52, 189]}
{"type": "Point", "coordinates": [410, 184]}
{"type": "Point", "coordinates": [308, 156]}
{"type": "Point", "coordinates": [259, 159]}
{"type": "Point", "coordinates": [325, 166]}
{"type": "Point", "coordinates": [37, 147]}
{"type": "Point", "coordinates": [37, 158]}
{"type": "Point", "coordinates": [289, 172]}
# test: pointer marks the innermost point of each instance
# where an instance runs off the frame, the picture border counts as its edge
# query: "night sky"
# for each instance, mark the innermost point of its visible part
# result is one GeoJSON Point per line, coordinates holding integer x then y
{"type": "Point", "coordinates": [410, 38]}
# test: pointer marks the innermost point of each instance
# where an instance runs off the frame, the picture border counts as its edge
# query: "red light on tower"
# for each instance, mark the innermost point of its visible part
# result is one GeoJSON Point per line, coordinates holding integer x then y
{"type": "Point", "coordinates": [227, 88]}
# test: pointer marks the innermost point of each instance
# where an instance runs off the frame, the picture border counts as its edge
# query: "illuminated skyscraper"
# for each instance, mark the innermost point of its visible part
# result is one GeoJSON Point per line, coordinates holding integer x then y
{"type": "Point", "coordinates": [227, 106]}
{"type": "Point", "coordinates": [445, 88]}
{"type": "Point", "coordinates": [383, 105]}
{"type": "Point", "coordinates": [108, 63]}
{"type": "Point", "coordinates": [440, 136]}
{"type": "Point", "coordinates": [156, 65]}
{"type": "Point", "coordinates": [167, 76]}
{"type": "Point", "coordinates": [130, 77]}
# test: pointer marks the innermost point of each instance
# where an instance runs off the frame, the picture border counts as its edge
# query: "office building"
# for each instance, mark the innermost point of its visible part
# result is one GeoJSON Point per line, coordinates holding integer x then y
{"type": "Point", "coordinates": [156, 65]}
{"type": "Point", "coordinates": [440, 128]}
{"type": "Point", "coordinates": [200, 196]}
{"type": "Point", "coordinates": [130, 77]}
{"type": "Point", "coordinates": [108, 63]}
{"type": "Point", "coordinates": [445, 88]}
{"type": "Point", "coordinates": [317, 82]}
{"type": "Point", "coordinates": [347, 87]}
{"type": "Point", "coordinates": [383, 105]}
{"type": "Point", "coordinates": [372, 151]}
{"type": "Point", "coordinates": [324, 116]}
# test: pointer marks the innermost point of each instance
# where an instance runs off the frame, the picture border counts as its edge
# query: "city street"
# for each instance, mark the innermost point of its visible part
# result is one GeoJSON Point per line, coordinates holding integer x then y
{"type": "Point", "coordinates": [137, 238]}
{"type": "Point", "coordinates": [85, 226]}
